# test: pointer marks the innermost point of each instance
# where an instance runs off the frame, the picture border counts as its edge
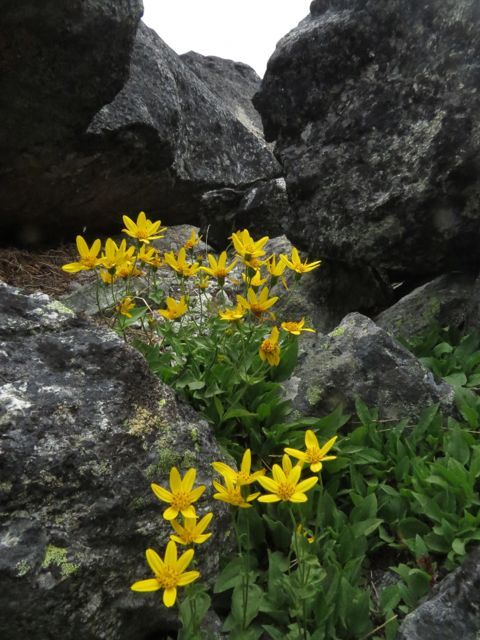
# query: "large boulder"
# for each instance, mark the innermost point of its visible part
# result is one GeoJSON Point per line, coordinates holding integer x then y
{"type": "Point", "coordinates": [444, 301]}
{"type": "Point", "coordinates": [375, 110]}
{"type": "Point", "coordinates": [60, 62]}
{"type": "Point", "coordinates": [452, 610]}
{"type": "Point", "coordinates": [160, 145]}
{"type": "Point", "coordinates": [359, 360]}
{"type": "Point", "coordinates": [85, 427]}
{"type": "Point", "coordinates": [234, 83]}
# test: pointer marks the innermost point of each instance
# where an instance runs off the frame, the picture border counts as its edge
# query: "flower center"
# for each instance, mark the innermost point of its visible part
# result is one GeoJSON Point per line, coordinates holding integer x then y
{"type": "Point", "coordinates": [88, 261]}
{"type": "Point", "coordinates": [285, 490]}
{"type": "Point", "coordinates": [169, 577]}
{"type": "Point", "coordinates": [314, 455]}
{"type": "Point", "coordinates": [268, 347]}
{"type": "Point", "coordinates": [243, 477]}
{"type": "Point", "coordinates": [181, 500]}
{"type": "Point", "coordinates": [235, 497]}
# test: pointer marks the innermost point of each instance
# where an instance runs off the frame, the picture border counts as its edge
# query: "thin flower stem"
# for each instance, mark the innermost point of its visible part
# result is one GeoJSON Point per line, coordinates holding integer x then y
{"type": "Point", "coordinates": [380, 627]}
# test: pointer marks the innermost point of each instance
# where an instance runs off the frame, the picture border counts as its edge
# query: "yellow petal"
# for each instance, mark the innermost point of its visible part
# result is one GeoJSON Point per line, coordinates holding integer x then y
{"type": "Point", "coordinates": [154, 561]}
{"type": "Point", "coordinates": [269, 498]}
{"type": "Point", "coordinates": [307, 484]}
{"type": "Point", "coordinates": [204, 522]}
{"type": "Point", "coordinates": [268, 484]}
{"type": "Point", "coordinates": [224, 470]}
{"type": "Point", "coordinates": [145, 585]}
{"type": "Point", "coordinates": [311, 440]}
{"type": "Point", "coordinates": [184, 560]}
{"type": "Point", "coordinates": [175, 479]}
{"type": "Point", "coordinates": [196, 493]}
{"type": "Point", "coordinates": [171, 554]}
{"type": "Point", "coordinates": [328, 445]}
{"type": "Point", "coordinates": [246, 462]}
{"type": "Point", "coordinates": [74, 267]}
{"type": "Point", "coordinates": [82, 247]}
{"type": "Point", "coordinates": [295, 453]}
{"type": "Point", "coordinates": [188, 480]}
{"type": "Point", "coordinates": [169, 597]}
{"type": "Point", "coordinates": [188, 577]}
{"type": "Point", "coordinates": [278, 473]}
{"type": "Point", "coordinates": [298, 497]}
{"type": "Point", "coordinates": [161, 493]}
{"type": "Point", "coordinates": [189, 512]}
{"type": "Point", "coordinates": [170, 513]}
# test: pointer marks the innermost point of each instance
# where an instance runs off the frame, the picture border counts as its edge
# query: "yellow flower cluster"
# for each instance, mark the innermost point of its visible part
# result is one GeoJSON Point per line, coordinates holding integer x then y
{"type": "Point", "coordinates": [120, 261]}
{"type": "Point", "coordinates": [170, 572]}
{"type": "Point", "coordinates": [285, 485]}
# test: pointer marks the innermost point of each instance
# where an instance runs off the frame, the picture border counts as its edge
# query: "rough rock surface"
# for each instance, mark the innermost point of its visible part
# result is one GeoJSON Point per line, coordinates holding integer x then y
{"type": "Point", "coordinates": [159, 146]}
{"type": "Point", "coordinates": [360, 360]}
{"type": "Point", "coordinates": [374, 107]}
{"type": "Point", "coordinates": [326, 294]}
{"type": "Point", "coordinates": [85, 427]}
{"type": "Point", "coordinates": [444, 301]}
{"type": "Point", "coordinates": [452, 611]}
{"type": "Point", "coordinates": [235, 83]}
{"type": "Point", "coordinates": [55, 69]}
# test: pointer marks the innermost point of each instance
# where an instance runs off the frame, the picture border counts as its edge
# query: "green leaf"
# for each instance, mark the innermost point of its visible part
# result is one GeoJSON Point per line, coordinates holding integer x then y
{"type": "Point", "coordinates": [238, 412]}
{"type": "Point", "coordinates": [230, 576]}
{"type": "Point", "coordinates": [456, 379]}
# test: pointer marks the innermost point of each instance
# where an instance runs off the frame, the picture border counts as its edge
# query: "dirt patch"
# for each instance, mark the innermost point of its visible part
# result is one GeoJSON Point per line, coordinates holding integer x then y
{"type": "Point", "coordinates": [39, 270]}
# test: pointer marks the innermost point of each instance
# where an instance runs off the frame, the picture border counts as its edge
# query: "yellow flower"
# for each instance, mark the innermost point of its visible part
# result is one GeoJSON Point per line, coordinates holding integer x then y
{"type": "Point", "coordinates": [218, 268]}
{"type": "Point", "coordinates": [175, 309]}
{"type": "Point", "coordinates": [88, 257]}
{"type": "Point", "coordinates": [203, 282]}
{"type": "Point", "coordinates": [285, 485]}
{"type": "Point", "coordinates": [124, 307]}
{"type": "Point", "coordinates": [143, 230]}
{"type": "Point", "coordinates": [257, 304]}
{"type": "Point", "coordinates": [255, 281]}
{"type": "Point", "coordinates": [296, 264]}
{"type": "Point", "coordinates": [296, 327]}
{"type": "Point", "coordinates": [314, 454]}
{"type": "Point", "coordinates": [192, 241]}
{"type": "Point", "coordinates": [270, 349]}
{"type": "Point", "coordinates": [306, 533]}
{"type": "Point", "coordinates": [241, 477]}
{"type": "Point", "coordinates": [115, 256]}
{"type": "Point", "coordinates": [107, 277]}
{"type": "Point", "coordinates": [182, 495]}
{"type": "Point", "coordinates": [246, 246]}
{"type": "Point", "coordinates": [232, 314]}
{"type": "Point", "coordinates": [180, 264]}
{"type": "Point", "coordinates": [232, 494]}
{"type": "Point", "coordinates": [127, 270]}
{"type": "Point", "coordinates": [274, 268]}
{"type": "Point", "coordinates": [149, 255]}
{"type": "Point", "coordinates": [169, 573]}
{"type": "Point", "coordinates": [192, 531]}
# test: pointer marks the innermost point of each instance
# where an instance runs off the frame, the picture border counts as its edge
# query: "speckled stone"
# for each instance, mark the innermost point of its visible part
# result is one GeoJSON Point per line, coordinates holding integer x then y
{"type": "Point", "coordinates": [84, 429]}
{"type": "Point", "coordinates": [374, 106]}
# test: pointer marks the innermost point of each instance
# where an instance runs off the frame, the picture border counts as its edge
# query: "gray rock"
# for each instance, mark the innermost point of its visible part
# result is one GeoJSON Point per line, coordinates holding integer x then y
{"type": "Point", "coordinates": [452, 610]}
{"type": "Point", "coordinates": [324, 296]}
{"type": "Point", "coordinates": [159, 146]}
{"type": "Point", "coordinates": [85, 427]}
{"type": "Point", "coordinates": [473, 309]}
{"type": "Point", "coordinates": [444, 301]}
{"type": "Point", "coordinates": [57, 70]}
{"type": "Point", "coordinates": [234, 83]}
{"type": "Point", "coordinates": [374, 107]}
{"type": "Point", "coordinates": [360, 360]}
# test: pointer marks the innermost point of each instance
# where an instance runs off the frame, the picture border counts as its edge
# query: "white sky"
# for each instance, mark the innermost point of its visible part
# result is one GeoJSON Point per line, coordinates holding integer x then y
{"type": "Point", "coordinates": [241, 30]}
